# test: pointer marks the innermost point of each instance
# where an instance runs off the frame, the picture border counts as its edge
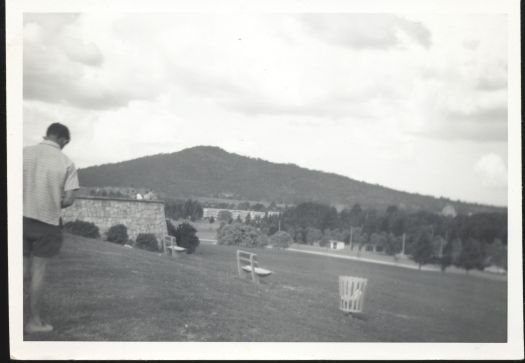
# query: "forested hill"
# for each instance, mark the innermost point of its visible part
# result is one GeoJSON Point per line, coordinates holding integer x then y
{"type": "Point", "coordinates": [206, 171]}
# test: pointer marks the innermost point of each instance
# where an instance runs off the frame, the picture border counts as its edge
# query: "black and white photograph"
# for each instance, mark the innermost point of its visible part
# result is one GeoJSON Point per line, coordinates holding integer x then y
{"type": "Point", "coordinates": [263, 180]}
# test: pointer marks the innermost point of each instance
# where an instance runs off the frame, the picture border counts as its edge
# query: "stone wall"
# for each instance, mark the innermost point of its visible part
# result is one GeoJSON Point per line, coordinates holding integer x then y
{"type": "Point", "coordinates": [140, 216]}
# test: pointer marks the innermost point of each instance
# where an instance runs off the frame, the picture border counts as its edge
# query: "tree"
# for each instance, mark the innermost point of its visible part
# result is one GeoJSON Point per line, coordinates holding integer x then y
{"type": "Point", "coordinates": [325, 239]}
{"type": "Point", "coordinates": [313, 235]}
{"type": "Point", "coordinates": [248, 219]}
{"type": "Point", "coordinates": [298, 234]}
{"type": "Point", "coordinates": [422, 249]}
{"type": "Point", "coordinates": [239, 234]}
{"type": "Point", "coordinates": [370, 222]}
{"type": "Point", "coordinates": [186, 236]}
{"type": "Point", "coordinates": [378, 241]}
{"type": "Point", "coordinates": [192, 210]}
{"type": "Point", "coordinates": [446, 258]}
{"type": "Point", "coordinates": [497, 254]}
{"type": "Point", "coordinates": [224, 216]}
{"type": "Point", "coordinates": [356, 215]}
{"type": "Point", "coordinates": [397, 224]}
{"type": "Point", "coordinates": [281, 239]}
{"type": "Point", "coordinates": [392, 244]}
{"type": "Point", "coordinates": [174, 209]}
{"type": "Point", "coordinates": [471, 255]}
{"type": "Point", "coordinates": [344, 218]}
{"type": "Point", "coordinates": [258, 207]}
{"type": "Point", "coordinates": [455, 251]}
{"type": "Point", "coordinates": [311, 214]}
{"type": "Point", "coordinates": [243, 206]}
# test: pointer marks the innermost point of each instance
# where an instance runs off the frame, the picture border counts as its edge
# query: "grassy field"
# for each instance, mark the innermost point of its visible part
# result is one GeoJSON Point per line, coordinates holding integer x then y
{"type": "Point", "coordinates": [104, 292]}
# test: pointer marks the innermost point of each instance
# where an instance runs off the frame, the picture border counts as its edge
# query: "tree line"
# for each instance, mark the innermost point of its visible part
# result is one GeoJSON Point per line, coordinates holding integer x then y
{"type": "Point", "coordinates": [467, 241]}
{"type": "Point", "coordinates": [183, 209]}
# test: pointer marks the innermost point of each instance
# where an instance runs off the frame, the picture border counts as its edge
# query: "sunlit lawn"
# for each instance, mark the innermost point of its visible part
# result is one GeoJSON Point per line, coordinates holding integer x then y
{"type": "Point", "coordinates": [104, 292]}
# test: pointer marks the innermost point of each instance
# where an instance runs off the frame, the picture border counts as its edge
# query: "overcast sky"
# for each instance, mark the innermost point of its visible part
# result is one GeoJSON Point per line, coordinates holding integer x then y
{"type": "Point", "coordinates": [412, 102]}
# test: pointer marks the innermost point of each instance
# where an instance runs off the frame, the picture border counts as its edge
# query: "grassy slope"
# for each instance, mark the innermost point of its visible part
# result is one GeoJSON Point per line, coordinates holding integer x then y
{"type": "Point", "coordinates": [100, 291]}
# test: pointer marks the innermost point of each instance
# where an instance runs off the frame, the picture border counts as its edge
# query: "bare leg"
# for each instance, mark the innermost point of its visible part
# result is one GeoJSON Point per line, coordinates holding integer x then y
{"type": "Point", "coordinates": [38, 271]}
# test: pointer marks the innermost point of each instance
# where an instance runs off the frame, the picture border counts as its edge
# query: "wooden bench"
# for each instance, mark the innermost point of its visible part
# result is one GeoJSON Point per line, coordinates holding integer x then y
{"type": "Point", "coordinates": [170, 246]}
{"type": "Point", "coordinates": [247, 265]}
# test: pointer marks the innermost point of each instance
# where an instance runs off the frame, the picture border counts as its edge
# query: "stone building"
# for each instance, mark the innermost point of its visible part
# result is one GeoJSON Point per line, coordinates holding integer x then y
{"type": "Point", "coordinates": [139, 216]}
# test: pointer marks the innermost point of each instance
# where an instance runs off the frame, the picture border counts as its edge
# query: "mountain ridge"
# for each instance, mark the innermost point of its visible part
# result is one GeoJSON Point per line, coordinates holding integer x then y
{"type": "Point", "coordinates": [209, 171]}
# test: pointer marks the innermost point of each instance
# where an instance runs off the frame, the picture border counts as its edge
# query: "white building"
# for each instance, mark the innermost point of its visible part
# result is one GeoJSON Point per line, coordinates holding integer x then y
{"type": "Point", "coordinates": [449, 211]}
{"type": "Point", "coordinates": [337, 245]}
{"type": "Point", "coordinates": [214, 212]}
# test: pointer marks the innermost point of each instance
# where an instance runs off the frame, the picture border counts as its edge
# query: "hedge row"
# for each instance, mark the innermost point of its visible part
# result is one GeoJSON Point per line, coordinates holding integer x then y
{"type": "Point", "coordinates": [115, 234]}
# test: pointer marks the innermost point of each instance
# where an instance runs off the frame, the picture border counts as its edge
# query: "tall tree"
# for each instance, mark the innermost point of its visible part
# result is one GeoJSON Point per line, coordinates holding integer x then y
{"type": "Point", "coordinates": [422, 250]}
{"type": "Point", "coordinates": [471, 255]}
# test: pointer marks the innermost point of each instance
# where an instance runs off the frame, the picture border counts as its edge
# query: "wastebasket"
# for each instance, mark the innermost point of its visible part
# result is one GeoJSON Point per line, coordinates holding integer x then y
{"type": "Point", "coordinates": [352, 293]}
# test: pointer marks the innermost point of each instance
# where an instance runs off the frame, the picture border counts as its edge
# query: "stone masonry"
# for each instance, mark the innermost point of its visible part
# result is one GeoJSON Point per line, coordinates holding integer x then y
{"type": "Point", "coordinates": [139, 216]}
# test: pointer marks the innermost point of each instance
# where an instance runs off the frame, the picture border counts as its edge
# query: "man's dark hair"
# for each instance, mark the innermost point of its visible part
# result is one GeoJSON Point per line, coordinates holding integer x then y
{"type": "Point", "coordinates": [58, 130]}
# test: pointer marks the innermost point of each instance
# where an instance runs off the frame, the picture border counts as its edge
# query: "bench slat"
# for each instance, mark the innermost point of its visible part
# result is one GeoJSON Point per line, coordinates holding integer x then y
{"type": "Point", "coordinates": [176, 248]}
{"type": "Point", "coordinates": [258, 270]}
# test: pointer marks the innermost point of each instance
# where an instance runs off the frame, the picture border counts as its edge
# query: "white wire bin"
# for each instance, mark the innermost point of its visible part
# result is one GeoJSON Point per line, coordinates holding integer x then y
{"type": "Point", "coordinates": [352, 293]}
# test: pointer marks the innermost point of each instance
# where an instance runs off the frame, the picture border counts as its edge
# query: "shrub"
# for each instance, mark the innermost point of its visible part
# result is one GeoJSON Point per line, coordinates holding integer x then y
{"type": "Point", "coordinates": [262, 240]}
{"type": "Point", "coordinates": [117, 234]}
{"type": "Point", "coordinates": [281, 239]}
{"type": "Point", "coordinates": [82, 228]}
{"type": "Point", "coordinates": [147, 241]}
{"type": "Point", "coordinates": [324, 241]}
{"type": "Point", "coordinates": [313, 235]}
{"type": "Point", "coordinates": [186, 236]}
{"type": "Point", "coordinates": [224, 216]}
{"type": "Point", "coordinates": [239, 234]}
{"type": "Point", "coordinates": [471, 255]}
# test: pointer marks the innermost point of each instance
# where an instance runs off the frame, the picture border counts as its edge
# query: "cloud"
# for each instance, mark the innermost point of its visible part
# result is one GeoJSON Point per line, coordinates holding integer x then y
{"type": "Point", "coordinates": [395, 89]}
{"type": "Point", "coordinates": [62, 66]}
{"type": "Point", "coordinates": [52, 23]}
{"type": "Point", "coordinates": [332, 105]}
{"type": "Point", "coordinates": [87, 54]}
{"type": "Point", "coordinates": [482, 125]}
{"type": "Point", "coordinates": [480, 115]}
{"type": "Point", "coordinates": [492, 80]}
{"type": "Point", "coordinates": [205, 84]}
{"type": "Point", "coordinates": [492, 170]}
{"type": "Point", "coordinates": [366, 31]}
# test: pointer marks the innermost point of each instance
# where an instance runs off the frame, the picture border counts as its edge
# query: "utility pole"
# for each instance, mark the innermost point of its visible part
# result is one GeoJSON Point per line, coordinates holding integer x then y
{"type": "Point", "coordinates": [403, 247]}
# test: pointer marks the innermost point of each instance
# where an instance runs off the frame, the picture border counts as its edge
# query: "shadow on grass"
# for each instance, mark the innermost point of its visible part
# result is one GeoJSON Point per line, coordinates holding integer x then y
{"type": "Point", "coordinates": [357, 316]}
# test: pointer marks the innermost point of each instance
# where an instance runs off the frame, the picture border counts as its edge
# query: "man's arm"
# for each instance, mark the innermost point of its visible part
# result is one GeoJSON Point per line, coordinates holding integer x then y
{"type": "Point", "coordinates": [70, 186]}
{"type": "Point", "coordinates": [68, 198]}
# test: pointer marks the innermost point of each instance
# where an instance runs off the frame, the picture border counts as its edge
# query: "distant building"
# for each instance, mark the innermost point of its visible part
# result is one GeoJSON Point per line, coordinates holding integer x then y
{"type": "Point", "coordinates": [214, 212]}
{"type": "Point", "coordinates": [337, 245]}
{"type": "Point", "coordinates": [449, 211]}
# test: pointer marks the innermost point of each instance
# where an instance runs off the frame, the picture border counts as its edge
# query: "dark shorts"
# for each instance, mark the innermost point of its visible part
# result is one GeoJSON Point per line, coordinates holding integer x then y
{"type": "Point", "coordinates": [41, 239]}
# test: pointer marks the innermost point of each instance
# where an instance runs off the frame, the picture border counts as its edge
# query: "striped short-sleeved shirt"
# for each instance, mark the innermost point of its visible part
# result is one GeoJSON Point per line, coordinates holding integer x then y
{"type": "Point", "coordinates": [48, 172]}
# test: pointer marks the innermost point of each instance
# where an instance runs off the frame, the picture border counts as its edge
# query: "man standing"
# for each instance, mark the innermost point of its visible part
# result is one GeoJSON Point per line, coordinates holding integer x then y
{"type": "Point", "coordinates": [50, 181]}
